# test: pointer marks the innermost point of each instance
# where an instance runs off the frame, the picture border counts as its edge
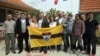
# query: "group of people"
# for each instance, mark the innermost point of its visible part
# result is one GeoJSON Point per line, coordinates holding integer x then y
{"type": "Point", "coordinates": [81, 29]}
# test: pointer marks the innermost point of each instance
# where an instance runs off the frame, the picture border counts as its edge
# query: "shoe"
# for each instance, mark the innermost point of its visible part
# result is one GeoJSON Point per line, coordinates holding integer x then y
{"type": "Point", "coordinates": [58, 50]}
{"type": "Point", "coordinates": [45, 52]}
{"type": "Point", "coordinates": [88, 53]}
{"type": "Point", "coordinates": [93, 54]}
{"type": "Point", "coordinates": [28, 51]}
{"type": "Point", "coordinates": [14, 52]}
{"type": "Point", "coordinates": [7, 53]}
{"type": "Point", "coordinates": [19, 52]}
{"type": "Point", "coordinates": [74, 51]}
{"type": "Point", "coordinates": [65, 50]}
{"type": "Point", "coordinates": [40, 51]}
{"type": "Point", "coordinates": [83, 52]}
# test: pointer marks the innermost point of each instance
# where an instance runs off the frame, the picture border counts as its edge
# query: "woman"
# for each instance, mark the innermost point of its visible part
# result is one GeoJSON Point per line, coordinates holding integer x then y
{"type": "Point", "coordinates": [53, 23]}
{"type": "Point", "coordinates": [34, 24]}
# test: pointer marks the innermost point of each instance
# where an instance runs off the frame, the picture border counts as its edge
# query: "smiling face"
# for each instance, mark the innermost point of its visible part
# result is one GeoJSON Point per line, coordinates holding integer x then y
{"type": "Point", "coordinates": [82, 16]}
{"type": "Point", "coordinates": [41, 15]}
{"type": "Point", "coordinates": [77, 17]}
{"type": "Point", "coordinates": [91, 15]}
{"type": "Point", "coordinates": [69, 17]}
{"type": "Point", "coordinates": [34, 19]}
{"type": "Point", "coordinates": [23, 16]}
{"type": "Point", "coordinates": [52, 19]}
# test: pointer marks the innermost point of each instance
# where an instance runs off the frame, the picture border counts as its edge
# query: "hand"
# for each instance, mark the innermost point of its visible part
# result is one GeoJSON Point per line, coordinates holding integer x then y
{"type": "Point", "coordinates": [64, 25]}
{"type": "Point", "coordinates": [81, 35]}
{"type": "Point", "coordinates": [17, 35]}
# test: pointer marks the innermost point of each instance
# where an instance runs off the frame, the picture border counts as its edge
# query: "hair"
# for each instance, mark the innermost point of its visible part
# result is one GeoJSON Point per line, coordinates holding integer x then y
{"type": "Point", "coordinates": [77, 15]}
{"type": "Point", "coordinates": [29, 14]}
{"type": "Point", "coordinates": [90, 13]}
{"type": "Point", "coordinates": [70, 15]}
{"type": "Point", "coordinates": [16, 13]}
{"type": "Point", "coordinates": [80, 15]}
{"type": "Point", "coordinates": [22, 13]}
{"type": "Point", "coordinates": [9, 14]}
{"type": "Point", "coordinates": [34, 17]}
{"type": "Point", "coordinates": [53, 18]}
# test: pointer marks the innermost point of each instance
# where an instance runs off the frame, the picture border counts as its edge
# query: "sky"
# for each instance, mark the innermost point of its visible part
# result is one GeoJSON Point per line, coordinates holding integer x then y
{"type": "Point", "coordinates": [68, 5]}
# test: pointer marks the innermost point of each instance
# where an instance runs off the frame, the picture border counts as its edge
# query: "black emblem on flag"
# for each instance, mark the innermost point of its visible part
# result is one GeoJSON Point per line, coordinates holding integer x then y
{"type": "Point", "coordinates": [46, 36]}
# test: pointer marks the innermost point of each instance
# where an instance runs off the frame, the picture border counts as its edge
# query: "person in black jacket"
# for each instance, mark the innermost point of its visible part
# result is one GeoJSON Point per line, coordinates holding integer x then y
{"type": "Point", "coordinates": [91, 26]}
{"type": "Point", "coordinates": [43, 23]}
{"type": "Point", "coordinates": [22, 33]}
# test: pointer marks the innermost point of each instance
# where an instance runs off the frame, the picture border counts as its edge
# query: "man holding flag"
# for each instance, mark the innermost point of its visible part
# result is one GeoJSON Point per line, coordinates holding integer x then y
{"type": "Point", "coordinates": [43, 23]}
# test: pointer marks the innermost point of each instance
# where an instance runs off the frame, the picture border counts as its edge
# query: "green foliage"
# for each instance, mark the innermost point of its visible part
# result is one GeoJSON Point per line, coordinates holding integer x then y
{"type": "Point", "coordinates": [48, 13]}
{"type": "Point", "coordinates": [51, 12]}
{"type": "Point", "coordinates": [35, 13]}
{"type": "Point", "coordinates": [98, 18]}
{"type": "Point", "coordinates": [98, 40]}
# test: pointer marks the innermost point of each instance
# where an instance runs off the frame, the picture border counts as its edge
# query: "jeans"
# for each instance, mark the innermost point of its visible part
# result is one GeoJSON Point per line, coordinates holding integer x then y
{"type": "Point", "coordinates": [67, 41]}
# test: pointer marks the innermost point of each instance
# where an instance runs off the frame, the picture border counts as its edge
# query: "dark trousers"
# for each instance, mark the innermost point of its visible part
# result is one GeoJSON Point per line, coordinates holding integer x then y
{"type": "Point", "coordinates": [58, 47]}
{"type": "Point", "coordinates": [66, 41]}
{"type": "Point", "coordinates": [44, 49]}
{"type": "Point", "coordinates": [76, 38]}
{"type": "Point", "coordinates": [84, 42]}
{"type": "Point", "coordinates": [52, 47]}
{"type": "Point", "coordinates": [91, 39]}
{"type": "Point", "coordinates": [23, 36]}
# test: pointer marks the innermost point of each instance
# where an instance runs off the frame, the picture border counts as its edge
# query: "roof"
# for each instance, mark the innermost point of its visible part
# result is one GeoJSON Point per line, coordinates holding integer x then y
{"type": "Point", "coordinates": [89, 6]}
{"type": "Point", "coordinates": [16, 4]}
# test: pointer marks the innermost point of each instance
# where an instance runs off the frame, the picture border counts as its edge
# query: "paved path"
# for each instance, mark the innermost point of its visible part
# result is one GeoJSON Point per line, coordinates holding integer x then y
{"type": "Point", "coordinates": [50, 53]}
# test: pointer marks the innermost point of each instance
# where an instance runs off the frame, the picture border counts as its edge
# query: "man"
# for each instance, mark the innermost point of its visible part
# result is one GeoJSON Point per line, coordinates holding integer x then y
{"type": "Point", "coordinates": [82, 17]}
{"type": "Point", "coordinates": [22, 32]}
{"type": "Point", "coordinates": [29, 18]}
{"type": "Point", "coordinates": [77, 31]}
{"type": "Point", "coordinates": [43, 23]}
{"type": "Point", "coordinates": [91, 26]}
{"type": "Point", "coordinates": [15, 16]}
{"type": "Point", "coordinates": [64, 23]}
{"type": "Point", "coordinates": [55, 16]}
{"type": "Point", "coordinates": [61, 20]}
{"type": "Point", "coordinates": [69, 25]}
{"type": "Point", "coordinates": [8, 28]}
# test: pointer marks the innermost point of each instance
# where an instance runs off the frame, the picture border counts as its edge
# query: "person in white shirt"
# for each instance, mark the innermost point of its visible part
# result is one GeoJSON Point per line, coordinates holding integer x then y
{"type": "Point", "coordinates": [52, 23]}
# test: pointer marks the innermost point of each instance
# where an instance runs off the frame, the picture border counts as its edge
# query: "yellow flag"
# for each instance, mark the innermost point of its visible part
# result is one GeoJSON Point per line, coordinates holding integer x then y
{"type": "Point", "coordinates": [45, 36]}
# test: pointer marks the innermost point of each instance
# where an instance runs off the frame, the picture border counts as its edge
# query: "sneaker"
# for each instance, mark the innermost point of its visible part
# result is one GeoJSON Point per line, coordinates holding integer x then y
{"type": "Point", "coordinates": [14, 52]}
{"type": "Point", "coordinates": [74, 51]}
{"type": "Point", "coordinates": [20, 52]}
{"type": "Point", "coordinates": [7, 53]}
{"type": "Point", "coordinates": [83, 52]}
{"type": "Point", "coordinates": [65, 50]}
